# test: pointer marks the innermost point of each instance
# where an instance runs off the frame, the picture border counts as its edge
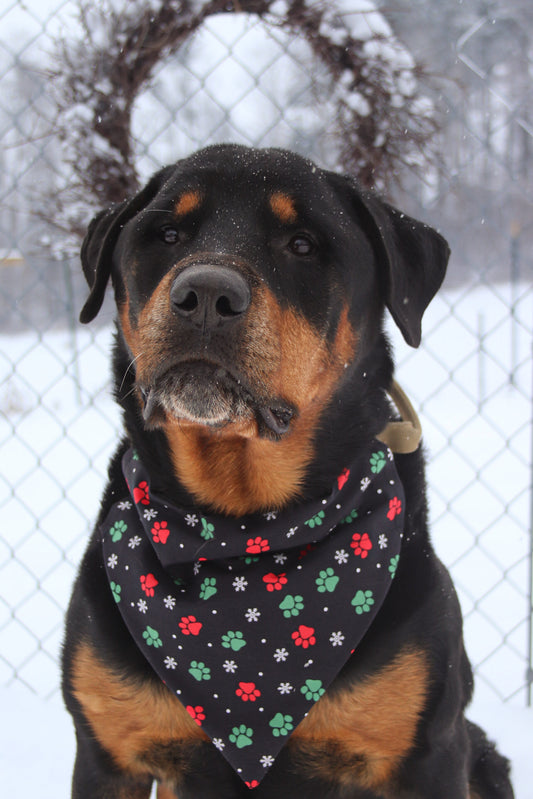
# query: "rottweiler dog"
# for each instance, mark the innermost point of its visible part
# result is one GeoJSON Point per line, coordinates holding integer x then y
{"type": "Point", "coordinates": [253, 372]}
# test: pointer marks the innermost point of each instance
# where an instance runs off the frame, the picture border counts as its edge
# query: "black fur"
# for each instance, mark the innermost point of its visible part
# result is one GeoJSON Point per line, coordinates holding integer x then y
{"type": "Point", "coordinates": [368, 255]}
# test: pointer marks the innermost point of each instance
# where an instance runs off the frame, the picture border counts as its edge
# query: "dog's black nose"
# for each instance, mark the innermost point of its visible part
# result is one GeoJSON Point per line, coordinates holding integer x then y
{"type": "Point", "coordinates": [209, 295]}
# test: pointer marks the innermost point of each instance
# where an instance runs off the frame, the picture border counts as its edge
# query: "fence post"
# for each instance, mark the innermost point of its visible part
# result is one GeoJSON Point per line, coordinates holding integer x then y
{"type": "Point", "coordinates": [515, 287]}
{"type": "Point", "coordinates": [529, 672]}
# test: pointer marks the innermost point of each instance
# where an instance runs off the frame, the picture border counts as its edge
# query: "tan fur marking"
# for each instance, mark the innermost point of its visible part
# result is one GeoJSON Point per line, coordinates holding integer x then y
{"type": "Point", "coordinates": [377, 720]}
{"type": "Point", "coordinates": [154, 341]}
{"type": "Point", "coordinates": [281, 356]}
{"type": "Point", "coordinates": [130, 334]}
{"type": "Point", "coordinates": [283, 207]}
{"type": "Point", "coordinates": [233, 470]}
{"type": "Point", "coordinates": [165, 793]}
{"type": "Point", "coordinates": [128, 717]}
{"type": "Point", "coordinates": [189, 201]}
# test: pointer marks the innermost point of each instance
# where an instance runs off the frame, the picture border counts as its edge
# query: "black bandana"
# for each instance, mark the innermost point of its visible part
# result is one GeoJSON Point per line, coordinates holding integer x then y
{"type": "Point", "coordinates": [249, 620]}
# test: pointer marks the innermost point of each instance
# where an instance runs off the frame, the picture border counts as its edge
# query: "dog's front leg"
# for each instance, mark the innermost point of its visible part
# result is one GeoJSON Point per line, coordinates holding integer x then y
{"type": "Point", "coordinates": [96, 777]}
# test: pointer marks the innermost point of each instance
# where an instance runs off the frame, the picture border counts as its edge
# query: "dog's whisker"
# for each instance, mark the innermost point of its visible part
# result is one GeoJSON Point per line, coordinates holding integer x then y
{"type": "Point", "coordinates": [130, 365]}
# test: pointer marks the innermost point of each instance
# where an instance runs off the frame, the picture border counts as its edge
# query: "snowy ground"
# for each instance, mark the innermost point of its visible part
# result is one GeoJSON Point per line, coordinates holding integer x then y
{"type": "Point", "coordinates": [57, 428]}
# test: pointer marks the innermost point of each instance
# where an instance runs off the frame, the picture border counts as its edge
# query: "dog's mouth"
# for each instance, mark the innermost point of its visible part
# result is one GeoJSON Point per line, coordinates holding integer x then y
{"type": "Point", "coordinates": [204, 393]}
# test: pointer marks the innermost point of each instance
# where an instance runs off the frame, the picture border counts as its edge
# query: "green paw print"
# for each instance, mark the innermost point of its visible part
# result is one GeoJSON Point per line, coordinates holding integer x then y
{"type": "Point", "coordinates": [281, 725]}
{"type": "Point", "coordinates": [199, 670]}
{"type": "Point", "coordinates": [233, 640]}
{"type": "Point", "coordinates": [316, 521]}
{"type": "Point", "coordinates": [326, 581]}
{"type": "Point", "coordinates": [377, 462]}
{"type": "Point", "coordinates": [313, 690]}
{"type": "Point", "coordinates": [115, 590]}
{"type": "Point", "coordinates": [241, 736]}
{"type": "Point", "coordinates": [249, 559]}
{"type": "Point", "coordinates": [349, 519]}
{"type": "Point", "coordinates": [152, 638]}
{"type": "Point", "coordinates": [292, 605]}
{"type": "Point", "coordinates": [208, 588]}
{"type": "Point", "coordinates": [117, 530]}
{"type": "Point", "coordinates": [363, 601]}
{"type": "Point", "coordinates": [208, 529]}
{"type": "Point", "coordinates": [393, 565]}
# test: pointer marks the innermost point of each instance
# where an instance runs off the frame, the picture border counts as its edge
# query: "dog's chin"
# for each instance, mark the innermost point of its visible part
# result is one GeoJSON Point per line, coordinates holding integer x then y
{"type": "Point", "coordinates": [210, 397]}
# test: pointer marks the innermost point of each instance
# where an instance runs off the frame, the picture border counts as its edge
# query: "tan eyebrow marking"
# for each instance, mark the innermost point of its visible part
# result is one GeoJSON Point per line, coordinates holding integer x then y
{"type": "Point", "coordinates": [189, 201]}
{"type": "Point", "coordinates": [283, 207]}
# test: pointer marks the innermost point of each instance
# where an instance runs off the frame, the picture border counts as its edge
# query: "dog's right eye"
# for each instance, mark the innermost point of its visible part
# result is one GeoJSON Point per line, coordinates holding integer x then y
{"type": "Point", "coordinates": [169, 234]}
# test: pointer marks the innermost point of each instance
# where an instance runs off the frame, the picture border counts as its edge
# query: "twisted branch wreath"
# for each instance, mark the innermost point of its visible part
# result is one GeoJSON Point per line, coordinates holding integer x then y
{"type": "Point", "coordinates": [382, 122]}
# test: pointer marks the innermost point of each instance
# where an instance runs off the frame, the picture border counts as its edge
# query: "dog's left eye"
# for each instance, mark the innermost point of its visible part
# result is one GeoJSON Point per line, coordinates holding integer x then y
{"type": "Point", "coordinates": [169, 234]}
{"type": "Point", "coordinates": [301, 245]}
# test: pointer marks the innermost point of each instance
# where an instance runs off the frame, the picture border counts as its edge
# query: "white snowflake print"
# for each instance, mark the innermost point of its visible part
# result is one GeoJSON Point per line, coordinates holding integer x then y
{"type": "Point", "coordinates": [230, 666]}
{"type": "Point", "coordinates": [197, 567]}
{"type": "Point", "coordinates": [365, 482]}
{"type": "Point", "coordinates": [341, 556]}
{"type": "Point", "coordinates": [336, 639]}
{"type": "Point", "coordinates": [291, 532]}
{"type": "Point", "coordinates": [142, 606]}
{"type": "Point", "coordinates": [240, 583]}
{"type": "Point", "coordinates": [383, 541]}
{"type": "Point", "coordinates": [271, 516]}
{"type": "Point", "coordinates": [266, 761]}
{"type": "Point", "coordinates": [134, 542]}
{"type": "Point", "coordinates": [252, 614]}
{"type": "Point", "coordinates": [112, 561]}
{"type": "Point", "coordinates": [149, 513]}
{"type": "Point", "coordinates": [281, 655]}
{"type": "Point", "coordinates": [191, 519]}
{"type": "Point", "coordinates": [170, 663]}
{"type": "Point", "coordinates": [390, 455]}
{"type": "Point", "coordinates": [124, 505]}
{"type": "Point", "coordinates": [219, 743]}
{"type": "Point", "coordinates": [169, 602]}
{"type": "Point", "coordinates": [285, 688]}
{"type": "Point", "coordinates": [280, 558]}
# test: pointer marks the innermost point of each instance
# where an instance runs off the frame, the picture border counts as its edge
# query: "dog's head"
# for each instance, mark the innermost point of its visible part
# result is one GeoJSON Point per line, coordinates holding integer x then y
{"type": "Point", "coordinates": [248, 282]}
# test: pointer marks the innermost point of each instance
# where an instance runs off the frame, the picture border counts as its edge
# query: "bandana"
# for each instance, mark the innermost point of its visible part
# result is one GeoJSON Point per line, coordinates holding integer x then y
{"type": "Point", "coordinates": [249, 620]}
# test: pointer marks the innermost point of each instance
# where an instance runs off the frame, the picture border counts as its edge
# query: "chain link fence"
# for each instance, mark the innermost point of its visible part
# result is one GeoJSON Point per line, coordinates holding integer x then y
{"type": "Point", "coordinates": [239, 79]}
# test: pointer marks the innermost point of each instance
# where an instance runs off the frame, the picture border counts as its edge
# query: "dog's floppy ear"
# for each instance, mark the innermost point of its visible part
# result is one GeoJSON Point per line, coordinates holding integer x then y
{"type": "Point", "coordinates": [99, 243]}
{"type": "Point", "coordinates": [414, 257]}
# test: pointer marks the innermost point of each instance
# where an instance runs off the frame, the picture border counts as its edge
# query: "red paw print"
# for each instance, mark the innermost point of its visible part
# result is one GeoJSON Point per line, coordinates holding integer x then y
{"type": "Point", "coordinates": [247, 691]}
{"type": "Point", "coordinates": [306, 550]}
{"type": "Point", "coordinates": [254, 546]}
{"type": "Point", "coordinates": [252, 783]}
{"type": "Point", "coordinates": [160, 532]}
{"type": "Point", "coordinates": [304, 636]}
{"type": "Point", "coordinates": [148, 583]}
{"type": "Point", "coordinates": [361, 544]}
{"type": "Point", "coordinates": [140, 493]}
{"type": "Point", "coordinates": [196, 713]}
{"type": "Point", "coordinates": [342, 479]}
{"type": "Point", "coordinates": [189, 625]}
{"type": "Point", "coordinates": [395, 508]}
{"type": "Point", "coordinates": [274, 582]}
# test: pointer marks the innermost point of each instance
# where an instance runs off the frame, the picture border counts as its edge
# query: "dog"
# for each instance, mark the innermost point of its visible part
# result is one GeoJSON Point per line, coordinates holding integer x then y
{"type": "Point", "coordinates": [259, 607]}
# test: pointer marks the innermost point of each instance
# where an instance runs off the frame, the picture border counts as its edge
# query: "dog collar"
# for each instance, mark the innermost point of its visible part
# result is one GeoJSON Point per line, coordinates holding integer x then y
{"type": "Point", "coordinates": [403, 437]}
{"type": "Point", "coordinates": [249, 620]}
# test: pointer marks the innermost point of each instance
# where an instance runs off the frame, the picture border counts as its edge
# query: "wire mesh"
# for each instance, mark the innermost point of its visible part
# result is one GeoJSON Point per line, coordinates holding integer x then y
{"type": "Point", "coordinates": [471, 379]}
